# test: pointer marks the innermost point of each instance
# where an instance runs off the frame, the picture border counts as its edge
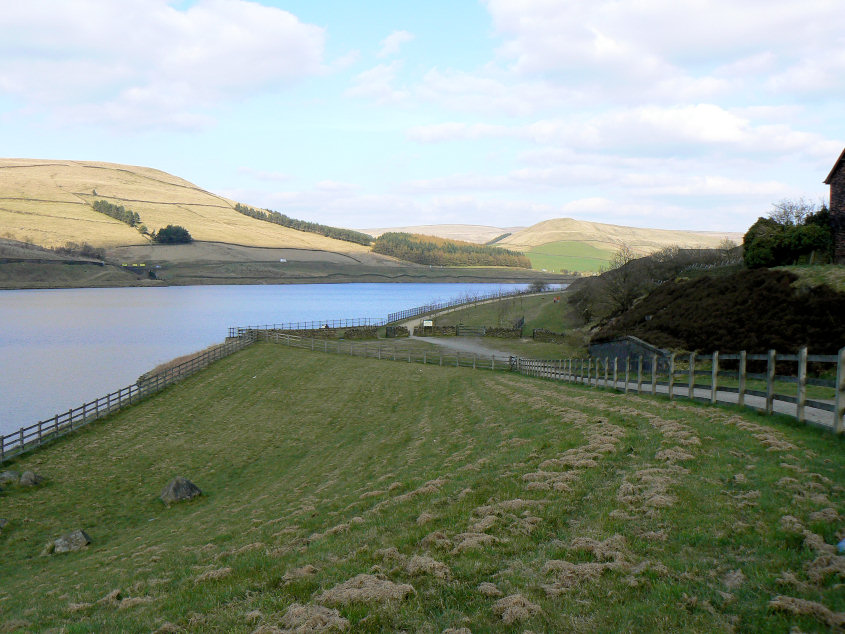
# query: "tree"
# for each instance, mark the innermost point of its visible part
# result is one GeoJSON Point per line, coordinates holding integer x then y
{"type": "Point", "coordinates": [619, 280]}
{"type": "Point", "coordinates": [173, 234]}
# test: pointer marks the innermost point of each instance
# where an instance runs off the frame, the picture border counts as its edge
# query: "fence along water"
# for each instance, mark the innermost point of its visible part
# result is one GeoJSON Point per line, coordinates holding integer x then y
{"type": "Point", "coordinates": [44, 431]}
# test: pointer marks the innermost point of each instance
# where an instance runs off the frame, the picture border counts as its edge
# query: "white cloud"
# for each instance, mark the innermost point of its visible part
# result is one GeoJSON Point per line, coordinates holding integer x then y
{"type": "Point", "coordinates": [377, 84]}
{"type": "Point", "coordinates": [391, 44]}
{"type": "Point", "coordinates": [145, 61]}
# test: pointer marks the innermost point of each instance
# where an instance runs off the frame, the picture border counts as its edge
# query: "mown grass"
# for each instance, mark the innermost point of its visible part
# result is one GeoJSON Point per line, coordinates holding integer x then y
{"type": "Point", "coordinates": [308, 459]}
{"type": "Point", "coordinates": [539, 311]}
{"type": "Point", "coordinates": [568, 255]}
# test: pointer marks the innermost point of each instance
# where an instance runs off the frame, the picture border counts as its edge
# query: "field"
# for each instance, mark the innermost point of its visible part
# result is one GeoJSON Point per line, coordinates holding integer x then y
{"type": "Point", "coordinates": [49, 203]}
{"type": "Point", "coordinates": [387, 496]}
{"type": "Point", "coordinates": [567, 255]}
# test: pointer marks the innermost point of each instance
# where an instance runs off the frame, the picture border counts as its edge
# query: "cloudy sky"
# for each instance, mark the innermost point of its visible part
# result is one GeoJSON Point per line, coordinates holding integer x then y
{"type": "Point", "coordinates": [689, 114]}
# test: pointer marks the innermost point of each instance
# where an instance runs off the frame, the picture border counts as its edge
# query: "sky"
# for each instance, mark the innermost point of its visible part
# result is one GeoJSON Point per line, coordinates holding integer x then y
{"type": "Point", "coordinates": [674, 114]}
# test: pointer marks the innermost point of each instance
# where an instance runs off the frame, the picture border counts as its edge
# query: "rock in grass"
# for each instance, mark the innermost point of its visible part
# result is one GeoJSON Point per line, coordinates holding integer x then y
{"type": "Point", "coordinates": [9, 477]}
{"type": "Point", "coordinates": [30, 479]}
{"type": "Point", "coordinates": [178, 490]}
{"type": "Point", "coordinates": [77, 540]}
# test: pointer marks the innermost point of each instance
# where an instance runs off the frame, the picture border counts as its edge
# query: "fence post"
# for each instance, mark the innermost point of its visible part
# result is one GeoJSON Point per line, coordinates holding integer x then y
{"type": "Point", "coordinates": [606, 367]}
{"type": "Point", "coordinates": [691, 390]}
{"type": "Point", "coordinates": [640, 374]}
{"type": "Point", "coordinates": [492, 363]}
{"type": "Point", "coordinates": [671, 375]}
{"type": "Point", "coordinates": [839, 405]}
{"type": "Point", "coordinates": [590, 372]}
{"type": "Point", "coordinates": [802, 384]}
{"type": "Point", "coordinates": [714, 380]}
{"type": "Point", "coordinates": [615, 373]}
{"type": "Point", "coordinates": [627, 372]}
{"type": "Point", "coordinates": [39, 433]}
{"type": "Point", "coordinates": [654, 374]}
{"type": "Point", "coordinates": [743, 364]}
{"type": "Point", "coordinates": [770, 382]}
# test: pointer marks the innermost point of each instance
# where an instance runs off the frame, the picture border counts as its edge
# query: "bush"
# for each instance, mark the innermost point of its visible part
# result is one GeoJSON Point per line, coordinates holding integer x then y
{"type": "Point", "coordinates": [789, 237]}
{"type": "Point", "coordinates": [173, 234]}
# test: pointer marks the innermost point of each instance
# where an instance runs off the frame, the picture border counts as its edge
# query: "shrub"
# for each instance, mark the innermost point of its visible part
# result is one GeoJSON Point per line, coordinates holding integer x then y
{"type": "Point", "coordinates": [173, 234]}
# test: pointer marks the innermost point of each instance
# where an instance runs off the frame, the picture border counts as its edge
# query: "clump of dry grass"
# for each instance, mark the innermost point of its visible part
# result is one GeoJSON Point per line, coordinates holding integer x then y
{"type": "Point", "coordinates": [514, 608]}
{"type": "Point", "coordinates": [803, 607]}
{"type": "Point", "coordinates": [214, 575]}
{"type": "Point", "coordinates": [313, 618]}
{"type": "Point", "coordinates": [366, 588]}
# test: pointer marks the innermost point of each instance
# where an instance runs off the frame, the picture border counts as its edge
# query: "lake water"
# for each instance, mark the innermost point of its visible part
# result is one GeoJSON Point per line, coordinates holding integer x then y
{"type": "Point", "coordinates": [60, 348]}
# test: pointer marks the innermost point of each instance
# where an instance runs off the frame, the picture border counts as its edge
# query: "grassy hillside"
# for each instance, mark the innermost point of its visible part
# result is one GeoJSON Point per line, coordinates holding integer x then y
{"type": "Point", "coordinates": [50, 203]}
{"type": "Point", "coordinates": [568, 255]}
{"type": "Point", "coordinates": [607, 237]}
{"type": "Point", "coordinates": [479, 234]}
{"type": "Point", "coordinates": [476, 500]}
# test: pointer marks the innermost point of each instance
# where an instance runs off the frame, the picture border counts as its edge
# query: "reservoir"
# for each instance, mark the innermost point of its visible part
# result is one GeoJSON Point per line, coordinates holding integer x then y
{"type": "Point", "coordinates": [62, 347]}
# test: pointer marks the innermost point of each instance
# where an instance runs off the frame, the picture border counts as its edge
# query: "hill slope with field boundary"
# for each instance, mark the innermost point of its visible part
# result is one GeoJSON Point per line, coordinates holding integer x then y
{"type": "Point", "coordinates": [50, 202]}
{"type": "Point", "coordinates": [425, 498]}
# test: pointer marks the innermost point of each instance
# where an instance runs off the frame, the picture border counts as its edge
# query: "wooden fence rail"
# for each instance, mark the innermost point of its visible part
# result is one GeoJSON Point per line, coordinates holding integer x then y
{"type": "Point", "coordinates": [238, 331]}
{"type": "Point", "coordinates": [705, 378]}
{"type": "Point", "coordinates": [61, 424]}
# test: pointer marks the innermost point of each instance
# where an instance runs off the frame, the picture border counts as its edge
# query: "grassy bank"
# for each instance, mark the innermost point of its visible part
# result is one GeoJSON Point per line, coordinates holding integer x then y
{"type": "Point", "coordinates": [586, 510]}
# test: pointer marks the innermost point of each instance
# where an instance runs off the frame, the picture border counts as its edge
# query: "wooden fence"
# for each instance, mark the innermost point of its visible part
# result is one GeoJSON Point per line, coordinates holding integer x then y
{"type": "Point", "coordinates": [712, 378]}
{"type": "Point", "coordinates": [45, 431]}
{"type": "Point", "coordinates": [238, 331]}
{"type": "Point", "coordinates": [383, 351]}
{"type": "Point", "coordinates": [467, 299]}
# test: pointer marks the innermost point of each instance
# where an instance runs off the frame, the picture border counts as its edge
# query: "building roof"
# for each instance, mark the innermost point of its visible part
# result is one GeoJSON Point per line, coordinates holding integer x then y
{"type": "Point", "coordinates": [836, 167]}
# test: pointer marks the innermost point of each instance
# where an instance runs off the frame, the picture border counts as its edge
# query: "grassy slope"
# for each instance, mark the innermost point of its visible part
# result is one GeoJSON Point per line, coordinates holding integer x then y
{"type": "Point", "coordinates": [608, 237]}
{"type": "Point", "coordinates": [48, 203]}
{"type": "Point", "coordinates": [287, 471]}
{"type": "Point", "coordinates": [567, 255]}
{"type": "Point", "coordinates": [539, 311]}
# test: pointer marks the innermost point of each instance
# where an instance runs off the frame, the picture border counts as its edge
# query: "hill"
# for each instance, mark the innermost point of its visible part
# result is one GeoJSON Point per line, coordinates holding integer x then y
{"type": "Point", "coordinates": [578, 245]}
{"type": "Point", "coordinates": [753, 310]}
{"type": "Point", "coordinates": [420, 498]}
{"type": "Point", "coordinates": [480, 234]}
{"type": "Point", "coordinates": [50, 203]}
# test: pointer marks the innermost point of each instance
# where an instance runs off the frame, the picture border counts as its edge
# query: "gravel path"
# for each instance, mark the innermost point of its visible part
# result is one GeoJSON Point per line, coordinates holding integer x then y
{"type": "Point", "coordinates": [471, 345]}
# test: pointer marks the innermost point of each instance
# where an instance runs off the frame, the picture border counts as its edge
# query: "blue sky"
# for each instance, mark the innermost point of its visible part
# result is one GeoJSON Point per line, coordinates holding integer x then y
{"type": "Point", "coordinates": [685, 114]}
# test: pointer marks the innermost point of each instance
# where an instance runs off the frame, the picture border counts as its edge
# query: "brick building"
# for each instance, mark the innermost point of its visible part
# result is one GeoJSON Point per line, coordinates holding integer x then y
{"type": "Point", "coordinates": [836, 180]}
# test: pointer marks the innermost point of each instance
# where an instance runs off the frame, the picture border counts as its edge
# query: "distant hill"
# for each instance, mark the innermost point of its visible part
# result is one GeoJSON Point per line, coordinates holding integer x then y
{"type": "Point", "coordinates": [49, 203]}
{"type": "Point", "coordinates": [578, 245]}
{"type": "Point", "coordinates": [480, 234]}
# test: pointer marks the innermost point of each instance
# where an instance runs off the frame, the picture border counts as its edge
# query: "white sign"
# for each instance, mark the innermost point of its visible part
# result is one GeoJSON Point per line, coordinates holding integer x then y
{"type": "Point", "coordinates": [428, 323]}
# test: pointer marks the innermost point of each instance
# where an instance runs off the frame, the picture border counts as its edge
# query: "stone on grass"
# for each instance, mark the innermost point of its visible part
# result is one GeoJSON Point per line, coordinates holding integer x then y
{"type": "Point", "coordinates": [30, 479]}
{"type": "Point", "coordinates": [178, 490]}
{"type": "Point", "coordinates": [9, 477]}
{"type": "Point", "coordinates": [77, 540]}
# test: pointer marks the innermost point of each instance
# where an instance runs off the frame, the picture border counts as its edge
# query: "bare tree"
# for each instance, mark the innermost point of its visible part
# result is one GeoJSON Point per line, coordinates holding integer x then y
{"type": "Point", "coordinates": [620, 280]}
{"type": "Point", "coordinates": [793, 212]}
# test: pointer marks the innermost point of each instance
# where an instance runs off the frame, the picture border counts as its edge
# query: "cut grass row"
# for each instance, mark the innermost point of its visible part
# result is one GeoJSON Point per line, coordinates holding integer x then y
{"type": "Point", "coordinates": [317, 468]}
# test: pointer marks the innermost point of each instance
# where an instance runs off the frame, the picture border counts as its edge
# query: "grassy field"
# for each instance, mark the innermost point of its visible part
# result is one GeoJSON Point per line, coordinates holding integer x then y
{"type": "Point", "coordinates": [568, 255]}
{"type": "Point", "coordinates": [396, 497]}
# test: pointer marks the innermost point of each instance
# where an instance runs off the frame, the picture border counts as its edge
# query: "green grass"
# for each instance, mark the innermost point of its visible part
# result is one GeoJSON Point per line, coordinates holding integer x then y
{"type": "Point", "coordinates": [831, 274]}
{"type": "Point", "coordinates": [291, 446]}
{"type": "Point", "coordinates": [539, 311]}
{"type": "Point", "coordinates": [568, 255]}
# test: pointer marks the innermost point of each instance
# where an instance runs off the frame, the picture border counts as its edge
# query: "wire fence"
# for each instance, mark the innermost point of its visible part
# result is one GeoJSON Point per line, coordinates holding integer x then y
{"type": "Point", "coordinates": [61, 424]}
